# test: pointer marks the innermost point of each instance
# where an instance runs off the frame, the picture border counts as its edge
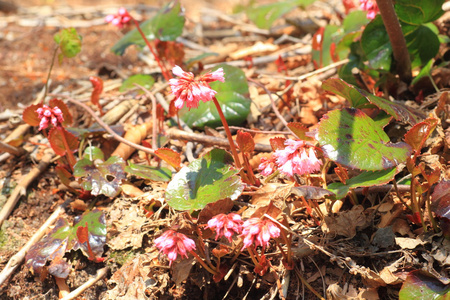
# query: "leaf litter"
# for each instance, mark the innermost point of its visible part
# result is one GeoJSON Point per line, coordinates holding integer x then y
{"type": "Point", "coordinates": [353, 232]}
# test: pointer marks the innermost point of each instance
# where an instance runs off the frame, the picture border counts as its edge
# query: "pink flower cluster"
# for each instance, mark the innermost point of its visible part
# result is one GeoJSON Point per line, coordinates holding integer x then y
{"type": "Point", "coordinates": [49, 115]}
{"type": "Point", "coordinates": [296, 158]}
{"type": "Point", "coordinates": [258, 232]}
{"type": "Point", "coordinates": [190, 91]}
{"type": "Point", "coordinates": [173, 243]}
{"type": "Point", "coordinates": [371, 7]}
{"type": "Point", "coordinates": [226, 225]}
{"type": "Point", "coordinates": [120, 19]}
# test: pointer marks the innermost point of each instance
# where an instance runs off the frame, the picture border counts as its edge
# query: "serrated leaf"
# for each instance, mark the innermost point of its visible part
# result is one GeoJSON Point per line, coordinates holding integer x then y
{"type": "Point", "coordinates": [30, 116]}
{"type": "Point", "coordinates": [170, 156]}
{"type": "Point", "coordinates": [63, 238]}
{"type": "Point", "coordinates": [245, 142]}
{"type": "Point", "coordinates": [422, 286]}
{"type": "Point", "coordinates": [299, 130]}
{"type": "Point", "coordinates": [232, 96]}
{"type": "Point", "coordinates": [418, 11]}
{"type": "Point", "coordinates": [362, 180]}
{"type": "Point", "coordinates": [69, 42]}
{"type": "Point", "coordinates": [352, 139]}
{"type": "Point", "coordinates": [205, 180]}
{"type": "Point", "coordinates": [277, 143]}
{"type": "Point", "coordinates": [56, 137]}
{"type": "Point", "coordinates": [67, 116]}
{"type": "Point", "coordinates": [150, 173]}
{"type": "Point", "coordinates": [362, 99]}
{"type": "Point", "coordinates": [101, 177]}
{"type": "Point", "coordinates": [144, 80]}
{"type": "Point", "coordinates": [166, 25]}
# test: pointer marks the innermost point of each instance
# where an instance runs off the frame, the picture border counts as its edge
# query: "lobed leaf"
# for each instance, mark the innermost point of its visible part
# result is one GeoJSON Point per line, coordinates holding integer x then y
{"type": "Point", "coordinates": [63, 238]}
{"type": "Point", "coordinates": [101, 177]}
{"type": "Point", "coordinates": [69, 42]}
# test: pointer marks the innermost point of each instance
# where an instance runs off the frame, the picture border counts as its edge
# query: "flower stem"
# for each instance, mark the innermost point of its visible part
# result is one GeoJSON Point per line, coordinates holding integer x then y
{"type": "Point", "coordinates": [397, 39]}
{"type": "Point", "coordinates": [207, 268]}
{"type": "Point", "coordinates": [158, 61]}
{"type": "Point", "coordinates": [70, 156]}
{"type": "Point", "coordinates": [230, 138]}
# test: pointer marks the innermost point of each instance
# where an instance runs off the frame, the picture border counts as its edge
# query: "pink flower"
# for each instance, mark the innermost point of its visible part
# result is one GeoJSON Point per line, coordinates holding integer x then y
{"type": "Point", "coordinates": [258, 232]}
{"type": "Point", "coordinates": [173, 243]}
{"type": "Point", "coordinates": [267, 165]}
{"type": "Point", "coordinates": [371, 7]}
{"type": "Point", "coordinates": [120, 19]}
{"type": "Point", "coordinates": [297, 158]}
{"type": "Point", "coordinates": [226, 225]}
{"type": "Point", "coordinates": [187, 89]}
{"type": "Point", "coordinates": [49, 115]}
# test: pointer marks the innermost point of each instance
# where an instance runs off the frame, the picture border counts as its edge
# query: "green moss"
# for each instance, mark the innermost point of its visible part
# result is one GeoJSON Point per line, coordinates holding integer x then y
{"type": "Point", "coordinates": [120, 257]}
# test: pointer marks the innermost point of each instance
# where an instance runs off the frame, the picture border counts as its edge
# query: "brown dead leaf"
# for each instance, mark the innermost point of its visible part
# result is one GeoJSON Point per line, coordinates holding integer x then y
{"type": "Point", "coordinates": [127, 222]}
{"type": "Point", "coordinates": [78, 204]}
{"type": "Point", "coordinates": [131, 190]}
{"type": "Point", "coordinates": [130, 279]}
{"type": "Point", "coordinates": [181, 269]}
{"type": "Point", "coordinates": [345, 223]}
{"type": "Point", "coordinates": [409, 243]}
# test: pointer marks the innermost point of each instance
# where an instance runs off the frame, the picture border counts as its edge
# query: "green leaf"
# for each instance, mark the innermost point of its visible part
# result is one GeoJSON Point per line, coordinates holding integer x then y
{"type": "Point", "coordinates": [422, 42]}
{"type": "Point", "coordinates": [92, 153]}
{"type": "Point", "coordinates": [69, 42]}
{"type": "Point", "coordinates": [146, 81]}
{"type": "Point", "coordinates": [150, 173]}
{"type": "Point", "coordinates": [205, 180]}
{"type": "Point", "coordinates": [166, 25]}
{"type": "Point", "coordinates": [376, 45]}
{"type": "Point", "coordinates": [360, 99]}
{"type": "Point", "coordinates": [362, 180]}
{"type": "Point", "coordinates": [425, 71]}
{"type": "Point", "coordinates": [418, 11]}
{"type": "Point", "coordinates": [264, 15]}
{"type": "Point", "coordinates": [62, 238]}
{"type": "Point", "coordinates": [422, 286]}
{"type": "Point", "coordinates": [101, 177]}
{"type": "Point", "coordinates": [351, 138]}
{"type": "Point", "coordinates": [232, 97]}
{"type": "Point", "coordinates": [355, 20]}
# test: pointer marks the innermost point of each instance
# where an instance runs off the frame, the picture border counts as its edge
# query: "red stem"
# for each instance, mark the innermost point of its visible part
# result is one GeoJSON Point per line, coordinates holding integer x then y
{"type": "Point", "coordinates": [70, 157]}
{"type": "Point", "coordinates": [163, 69]}
{"type": "Point", "coordinates": [230, 139]}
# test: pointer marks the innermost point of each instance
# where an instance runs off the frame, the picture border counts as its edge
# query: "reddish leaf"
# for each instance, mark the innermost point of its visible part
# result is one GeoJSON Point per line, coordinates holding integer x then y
{"type": "Point", "coordinates": [223, 270]}
{"type": "Point", "coordinates": [277, 143]}
{"type": "Point", "coordinates": [419, 133]}
{"type": "Point", "coordinates": [64, 109]}
{"type": "Point", "coordinates": [83, 238]}
{"type": "Point", "coordinates": [63, 175]}
{"type": "Point", "coordinates": [170, 51]}
{"type": "Point", "coordinates": [30, 116]}
{"type": "Point", "coordinates": [172, 109]}
{"type": "Point", "coordinates": [299, 130]}
{"type": "Point", "coordinates": [56, 138]}
{"type": "Point", "coordinates": [245, 142]}
{"type": "Point", "coordinates": [334, 56]}
{"type": "Point", "coordinates": [97, 83]}
{"type": "Point", "coordinates": [169, 156]}
{"type": "Point", "coordinates": [440, 205]}
{"type": "Point", "coordinates": [280, 64]}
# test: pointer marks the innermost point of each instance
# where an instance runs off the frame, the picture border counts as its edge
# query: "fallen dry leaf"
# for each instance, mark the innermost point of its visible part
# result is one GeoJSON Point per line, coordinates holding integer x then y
{"type": "Point", "coordinates": [345, 223]}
